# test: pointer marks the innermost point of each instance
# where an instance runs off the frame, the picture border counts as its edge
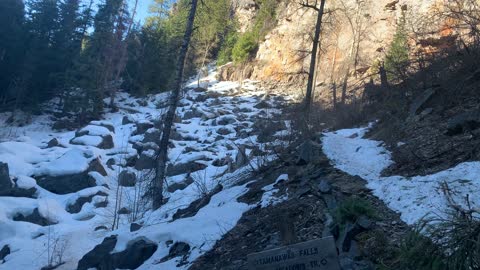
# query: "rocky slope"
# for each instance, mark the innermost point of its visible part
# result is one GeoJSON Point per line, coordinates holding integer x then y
{"type": "Point", "coordinates": [355, 38]}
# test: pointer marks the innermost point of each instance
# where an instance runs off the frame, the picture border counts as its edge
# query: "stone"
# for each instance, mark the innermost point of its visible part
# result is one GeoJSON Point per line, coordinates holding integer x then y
{"type": "Point", "coordinates": [420, 101]}
{"type": "Point", "coordinates": [179, 249]}
{"type": "Point", "coordinates": [34, 218]}
{"type": "Point", "coordinates": [324, 186]}
{"type": "Point", "coordinates": [224, 131]}
{"type": "Point", "coordinates": [110, 163]}
{"type": "Point", "coordinates": [101, 258]}
{"type": "Point", "coordinates": [313, 254]}
{"type": "Point", "coordinates": [135, 227]}
{"type": "Point", "coordinates": [53, 143]}
{"type": "Point", "coordinates": [70, 183]}
{"type": "Point", "coordinates": [126, 120]}
{"type": "Point", "coordinates": [76, 207]}
{"type": "Point", "coordinates": [142, 127]}
{"type": "Point", "coordinates": [180, 185]}
{"type": "Point", "coordinates": [196, 205]}
{"type": "Point", "coordinates": [101, 228]}
{"type": "Point", "coordinates": [96, 166]}
{"type": "Point", "coordinates": [6, 184]}
{"type": "Point", "coordinates": [107, 142]}
{"type": "Point", "coordinates": [127, 179]}
{"type": "Point", "coordinates": [466, 121]}
{"type": "Point", "coordinates": [183, 168]}
{"type": "Point", "coordinates": [145, 162]}
{"type": "Point", "coordinates": [4, 252]}
{"type": "Point", "coordinates": [152, 136]}
{"type": "Point", "coordinates": [308, 152]}
{"type": "Point", "coordinates": [124, 211]}
{"type": "Point", "coordinates": [241, 158]}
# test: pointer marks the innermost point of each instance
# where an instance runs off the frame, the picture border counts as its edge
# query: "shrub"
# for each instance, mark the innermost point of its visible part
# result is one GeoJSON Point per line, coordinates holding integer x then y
{"type": "Point", "coordinates": [244, 48]}
{"type": "Point", "coordinates": [351, 209]}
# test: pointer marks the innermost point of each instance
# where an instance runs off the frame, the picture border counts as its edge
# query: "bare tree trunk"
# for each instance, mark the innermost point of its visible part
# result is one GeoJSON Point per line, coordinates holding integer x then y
{"type": "Point", "coordinates": [163, 152]}
{"type": "Point", "coordinates": [123, 56]}
{"type": "Point", "coordinates": [313, 60]}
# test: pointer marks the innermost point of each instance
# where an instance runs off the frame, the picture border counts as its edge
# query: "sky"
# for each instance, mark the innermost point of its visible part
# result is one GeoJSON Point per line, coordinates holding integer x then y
{"type": "Point", "coordinates": [142, 8]}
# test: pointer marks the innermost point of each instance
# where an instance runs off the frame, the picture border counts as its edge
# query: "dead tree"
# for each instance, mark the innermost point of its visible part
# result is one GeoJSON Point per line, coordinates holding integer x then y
{"type": "Point", "coordinates": [162, 157]}
{"type": "Point", "coordinates": [316, 42]}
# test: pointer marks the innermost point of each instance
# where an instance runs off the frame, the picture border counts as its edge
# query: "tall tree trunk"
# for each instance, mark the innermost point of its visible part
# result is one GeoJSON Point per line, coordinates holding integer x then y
{"type": "Point", "coordinates": [163, 152]}
{"type": "Point", "coordinates": [313, 59]}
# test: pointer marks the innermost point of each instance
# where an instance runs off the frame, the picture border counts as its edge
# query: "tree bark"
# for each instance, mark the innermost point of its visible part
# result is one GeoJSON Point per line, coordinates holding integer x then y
{"type": "Point", "coordinates": [162, 157]}
{"type": "Point", "coordinates": [313, 60]}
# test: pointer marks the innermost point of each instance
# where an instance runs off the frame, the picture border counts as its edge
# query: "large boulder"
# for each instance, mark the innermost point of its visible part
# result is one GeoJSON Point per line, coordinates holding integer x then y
{"type": "Point", "coordinates": [308, 152]}
{"type": "Point", "coordinates": [6, 184]}
{"type": "Point", "coordinates": [34, 218]}
{"type": "Point", "coordinates": [146, 161]}
{"type": "Point", "coordinates": [463, 122]}
{"type": "Point", "coordinates": [183, 168]}
{"type": "Point", "coordinates": [102, 258]}
{"type": "Point", "coordinates": [76, 207]}
{"type": "Point", "coordinates": [4, 252]}
{"type": "Point", "coordinates": [127, 179]}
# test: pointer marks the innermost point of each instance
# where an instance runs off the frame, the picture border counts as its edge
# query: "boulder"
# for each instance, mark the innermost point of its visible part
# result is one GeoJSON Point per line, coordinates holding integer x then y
{"type": "Point", "coordinates": [135, 227]}
{"type": "Point", "coordinates": [127, 179]}
{"type": "Point", "coordinates": [101, 258]}
{"type": "Point", "coordinates": [145, 161]}
{"type": "Point", "coordinates": [152, 136]}
{"type": "Point", "coordinates": [196, 205]}
{"type": "Point", "coordinates": [96, 166]}
{"type": "Point", "coordinates": [142, 127]}
{"type": "Point", "coordinates": [4, 252]}
{"type": "Point", "coordinates": [308, 152]}
{"type": "Point", "coordinates": [419, 102]}
{"type": "Point", "coordinates": [180, 185]}
{"type": "Point", "coordinates": [179, 249]}
{"type": "Point", "coordinates": [52, 143]}
{"type": "Point", "coordinates": [126, 120]}
{"type": "Point", "coordinates": [466, 121]}
{"type": "Point", "coordinates": [76, 207]}
{"type": "Point", "coordinates": [124, 211]}
{"type": "Point", "coordinates": [34, 218]}
{"type": "Point", "coordinates": [107, 142]}
{"type": "Point", "coordinates": [183, 168]}
{"type": "Point", "coordinates": [224, 131]}
{"type": "Point", "coordinates": [65, 184]}
{"type": "Point", "coordinates": [6, 184]}
{"type": "Point", "coordinates": [241, 158]}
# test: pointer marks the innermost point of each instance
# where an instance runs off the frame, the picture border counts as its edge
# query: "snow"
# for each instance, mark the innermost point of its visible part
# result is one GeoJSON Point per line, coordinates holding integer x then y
{"type": "Point", "coordinates": [24, 149]}
{"type": "Point", "coordinates": [268, 197]}
{"type": "Point", "coordinates": [413, 197]}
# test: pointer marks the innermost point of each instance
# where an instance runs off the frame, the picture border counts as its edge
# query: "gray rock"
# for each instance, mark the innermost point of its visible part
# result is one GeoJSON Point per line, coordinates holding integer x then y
{"type": "Point", "coordinates": [179, 249]}
{"type": "Point", "coordinates": [224, 131]}
{"type": "Point", "coordinates": [183, 168]}
{"type": "Point", "coordinates": [52, 143]}
{"type": "Point", "coordinates": [466, 121]}
{"type": "Point", "coordinates": [309, 151]}
{"type": "Point", "coordinates": [135, 227]}
{"type": "Point", "coordinates": [76, 207]}
{"type": "Point", "coordinates": [145, 162]}
{"type": "Point", "coordinates": [241, 158]}
{"type": "Point", "coordinates": [196, 205]}
{"type": "Point", "coordinates": [324, 187]}
{"type": "Point", "coordinates": [70, 183]}
{"type": "Point", "coordinates": [124, 211]}
{"type": "Point", "coordinates": [6, 184]}
{"type": "Point", "coordinates": [180, 185]}
{"type": "Point", "coordinates": [107, 142]}
{"type": "Point", "coordinates": [152, 136]}
{"type": "Point", "coordinates": [127, 179]}
{"type": "Point", "coordinates": [126, 120]}
{"type": "Point", "coordinates": [34, 218]}
{"type": "Point", "coordinates": [142, 127]}
{"type": "Point", "coordinates": [101, 258]}
{"type": "Point", "coordinates": [418, 103]}
{"type": "Point", "coordinates": [4, 252]}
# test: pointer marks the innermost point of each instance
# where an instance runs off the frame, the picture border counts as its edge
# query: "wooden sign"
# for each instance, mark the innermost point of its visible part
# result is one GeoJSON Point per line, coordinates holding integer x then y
{"type": "Point", "coordinates": [318, 254]}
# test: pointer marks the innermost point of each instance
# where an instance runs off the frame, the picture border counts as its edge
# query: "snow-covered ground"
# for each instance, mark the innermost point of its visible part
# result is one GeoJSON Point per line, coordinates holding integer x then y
{"type": "Point", "coordinates": [207, 132]}
{"type": "Point", "coordinates": [413, 197]}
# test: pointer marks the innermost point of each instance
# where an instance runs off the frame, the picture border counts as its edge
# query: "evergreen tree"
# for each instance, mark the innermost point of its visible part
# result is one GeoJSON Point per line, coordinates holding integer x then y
{"type": "Point", "coordinates": [12, 35]}
{"type": "Point", "coordinates": [397, 59]}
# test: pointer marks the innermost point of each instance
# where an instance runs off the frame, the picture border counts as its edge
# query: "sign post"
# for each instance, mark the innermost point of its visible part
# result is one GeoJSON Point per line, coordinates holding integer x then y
{"type": "Point", "coordinates": [319, 254]}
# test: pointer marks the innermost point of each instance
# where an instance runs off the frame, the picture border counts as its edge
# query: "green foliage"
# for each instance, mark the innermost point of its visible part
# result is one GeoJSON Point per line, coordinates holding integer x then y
{"type": "Point", "coordinates": [351, 209]}
{"type": "Point", "coordinates": [247, 44]}
{"type": "Point", "coordinates": [244, 47]}
{"type": "Point", "coordinates": [225, 54]}
{"type": "Point", "coordinates": [397, 59]}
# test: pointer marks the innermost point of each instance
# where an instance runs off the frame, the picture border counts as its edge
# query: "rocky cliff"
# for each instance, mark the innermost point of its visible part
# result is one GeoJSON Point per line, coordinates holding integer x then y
{"type": "Point", "coordinates": [356, 36]}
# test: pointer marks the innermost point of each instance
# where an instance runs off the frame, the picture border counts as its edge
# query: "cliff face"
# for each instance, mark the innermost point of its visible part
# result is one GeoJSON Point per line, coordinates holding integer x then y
{"type": "Point", "coordinates": [355, 36]}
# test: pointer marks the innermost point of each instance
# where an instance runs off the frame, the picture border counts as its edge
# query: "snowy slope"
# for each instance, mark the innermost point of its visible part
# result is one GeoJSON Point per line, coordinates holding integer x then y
{"type": "Point", "coordinates": [413, 197]}
{"type": "Point", "coordinates": [211, 127]}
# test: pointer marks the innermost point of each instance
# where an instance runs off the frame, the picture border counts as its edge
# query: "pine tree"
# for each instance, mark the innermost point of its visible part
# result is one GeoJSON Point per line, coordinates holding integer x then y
{"type": "Point", "coordinates": [12, 36]}
{"type": "Point", "coordinates": [397, 59]}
